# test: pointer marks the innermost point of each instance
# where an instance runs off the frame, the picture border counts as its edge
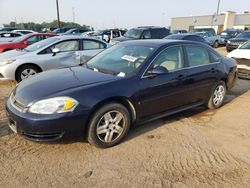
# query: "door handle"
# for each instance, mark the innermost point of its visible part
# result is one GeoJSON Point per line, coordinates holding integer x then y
{"type": "Point", "coordinates": [212, 70]}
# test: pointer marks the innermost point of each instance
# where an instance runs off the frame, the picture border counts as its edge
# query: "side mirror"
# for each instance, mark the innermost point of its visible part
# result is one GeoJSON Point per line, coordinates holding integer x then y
{"type": "Point", "coordinates": [159, 70]}
{"type": "Point", "coordinates": [26, 43]}
{"type": "Point", "coordinates": [55, 51]}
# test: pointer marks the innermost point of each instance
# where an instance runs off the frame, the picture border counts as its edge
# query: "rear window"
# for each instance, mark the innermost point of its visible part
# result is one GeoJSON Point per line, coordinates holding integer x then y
{"type": "Point", "coordinates": [159, 33]}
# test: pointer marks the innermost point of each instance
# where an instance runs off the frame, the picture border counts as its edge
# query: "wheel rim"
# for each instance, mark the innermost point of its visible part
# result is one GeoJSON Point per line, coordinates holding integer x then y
{"type": "Point", "coordinates": [110, 126]}
{"type": "Point", "coordinates": [219, 95]}
{"type": "Point", "coordinates": [27, 73]}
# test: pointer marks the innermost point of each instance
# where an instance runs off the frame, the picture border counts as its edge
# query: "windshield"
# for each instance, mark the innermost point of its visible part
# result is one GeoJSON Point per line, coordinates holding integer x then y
{"type": "Point", "coordinates": [18, 39]}
{"type": "Point", "coordinates": [246, 45]}
{"type": "Point", "coordinates": [133, 33]}
{"type": "Point", "coordinates": [41, 44]}
{"type": "Point", "coordinates": [244, 35]}
{"type": "Point", "coordinates": [120, 60]}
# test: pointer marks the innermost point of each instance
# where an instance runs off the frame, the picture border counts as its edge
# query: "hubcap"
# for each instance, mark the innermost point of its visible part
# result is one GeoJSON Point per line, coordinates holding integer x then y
{"type": "Point", "coordinates": [27, 73]}
{"type": "Point", "coordinates": [110, 126]}
{"type": "Point", "coordinates": [219, 95]}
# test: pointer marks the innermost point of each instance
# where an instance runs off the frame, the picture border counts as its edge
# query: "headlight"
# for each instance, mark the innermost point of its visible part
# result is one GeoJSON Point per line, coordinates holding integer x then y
{"type": "Point", "coordinates": [54, 105]}
{"type": "Point", "coordinates": [7, 62]}
{"type": "Point", "coordinates": [228, 41]}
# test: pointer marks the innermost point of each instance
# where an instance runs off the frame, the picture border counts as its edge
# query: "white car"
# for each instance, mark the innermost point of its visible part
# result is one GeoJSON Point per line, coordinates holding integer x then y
{"type": "Point", "coordinates": [242, 56]}
{"type": "Point", "coordinates": [52, 53]}
{"type": "Point", "coordinates": [23, 31]}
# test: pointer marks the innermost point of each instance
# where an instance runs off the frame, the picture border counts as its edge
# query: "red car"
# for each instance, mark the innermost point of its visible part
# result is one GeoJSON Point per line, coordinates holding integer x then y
{"type": "Point", "coordinates": [24, 41]}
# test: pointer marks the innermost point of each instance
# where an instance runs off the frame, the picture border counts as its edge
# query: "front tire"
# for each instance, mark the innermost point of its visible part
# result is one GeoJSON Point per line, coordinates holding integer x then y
{"type": "Point", "coordinates": [218, 96]}
{"type": "Point", "coordinates": [108, 125]}
{"type": "Point", "coordinates": [26, 71]}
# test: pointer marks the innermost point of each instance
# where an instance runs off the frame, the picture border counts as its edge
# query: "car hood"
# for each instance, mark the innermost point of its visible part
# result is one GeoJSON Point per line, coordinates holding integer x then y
{"type": "Point", "coordinates": [12, 54]}
{"type": "Point", "coordinates": [239, 40]}
{"type": "Point", "coordinates": [7, 44]}
{"type": "Point", "coordinates": [122, 39]}
{"type": "Point", "coordinates": [51, 83]}
{"type": "Point", "coordinates": [240, 54]}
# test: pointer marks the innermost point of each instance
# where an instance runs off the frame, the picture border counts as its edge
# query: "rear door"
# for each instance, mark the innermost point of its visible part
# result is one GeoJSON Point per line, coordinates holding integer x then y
{"type": "Point", "coordinates": [202, 73]}
{"type": "Point", "coordinates": [89, 49]}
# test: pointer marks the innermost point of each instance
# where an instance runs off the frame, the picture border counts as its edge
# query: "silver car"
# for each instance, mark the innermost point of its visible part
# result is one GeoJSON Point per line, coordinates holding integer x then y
{"type": "Point", "coordinates": [51, 53]}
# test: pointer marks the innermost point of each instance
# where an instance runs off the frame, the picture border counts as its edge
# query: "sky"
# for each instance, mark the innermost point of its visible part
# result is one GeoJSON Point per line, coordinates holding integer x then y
{"type": "Point", "coordinates": [113, 13]}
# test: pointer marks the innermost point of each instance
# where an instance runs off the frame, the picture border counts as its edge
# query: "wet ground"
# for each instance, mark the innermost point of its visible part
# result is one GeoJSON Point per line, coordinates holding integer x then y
{"type": "Point", "coordinates": [196, 148]}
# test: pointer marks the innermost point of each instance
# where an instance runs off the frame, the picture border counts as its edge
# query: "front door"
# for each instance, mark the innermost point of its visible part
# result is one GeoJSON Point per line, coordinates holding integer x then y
{"type": "Point", "coordinates": [165, 91]}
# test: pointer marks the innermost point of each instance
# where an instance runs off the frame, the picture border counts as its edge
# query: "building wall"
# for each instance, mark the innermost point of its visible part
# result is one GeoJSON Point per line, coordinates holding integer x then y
{"type": "Point", "coordinates": [218, 22]}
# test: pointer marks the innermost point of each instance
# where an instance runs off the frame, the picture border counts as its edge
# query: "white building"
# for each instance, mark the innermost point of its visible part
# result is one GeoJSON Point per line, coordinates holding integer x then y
{"type": "Point", "coordinates": [219, 22]}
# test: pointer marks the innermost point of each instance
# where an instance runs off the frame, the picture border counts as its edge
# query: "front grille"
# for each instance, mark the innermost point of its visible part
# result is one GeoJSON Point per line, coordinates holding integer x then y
{"type": "Point", "coordinates": [43, 136]}
{"type": "Point", "coordinates": [236, 43]}
{"type": "Point", "coordinates": [16, 104]}
{"type": "Point", "coordinates": [244, 71]}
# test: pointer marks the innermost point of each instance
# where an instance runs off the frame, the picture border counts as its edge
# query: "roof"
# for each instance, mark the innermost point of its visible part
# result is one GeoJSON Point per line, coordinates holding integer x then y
{"type": "Point", "coordinates": [157, 42]}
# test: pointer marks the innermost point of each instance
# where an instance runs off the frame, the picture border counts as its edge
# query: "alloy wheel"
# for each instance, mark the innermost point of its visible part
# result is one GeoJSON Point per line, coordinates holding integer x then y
{"type": "Point", "coordinates": [219, 95]}
{"type": "Point", "coordinates": [110, 126]}
{"type": "Point", "coordinates": [26, 73]}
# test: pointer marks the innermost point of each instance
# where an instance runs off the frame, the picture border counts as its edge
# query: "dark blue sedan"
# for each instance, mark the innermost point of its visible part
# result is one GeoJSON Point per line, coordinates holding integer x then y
{"type": "Point", "coordinates": [131, 82]}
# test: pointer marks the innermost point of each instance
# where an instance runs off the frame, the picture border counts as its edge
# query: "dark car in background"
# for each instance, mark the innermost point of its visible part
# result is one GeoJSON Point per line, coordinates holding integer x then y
{"type": "Point", "coordinates": [132, 82]}
{"type": "Point", "coordinates": [24, 41]}
{"type": "Point", "coordinates": [211, 30]}
{"type": "Point", "coordinates": [7, 29]}
{"type": "Point", "coordinates": [187, 36]}
{"type": "Point", "coordinates": [230, 33]}
{"type": "Point", "coordinates": [146, 32]}
{"type": "Point", "coordinates": [60, 30]}
{"type": "Point", "coordinates": [76, 31]}
{"type": "Point", "coordinates": [178, 31]}
{"type": "Point", "coordinates": [240, 39]}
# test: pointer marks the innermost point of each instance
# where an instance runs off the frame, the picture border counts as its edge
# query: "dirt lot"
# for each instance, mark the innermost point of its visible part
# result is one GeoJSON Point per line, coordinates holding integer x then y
{"type": "Point", "coordinates": [197, 148]}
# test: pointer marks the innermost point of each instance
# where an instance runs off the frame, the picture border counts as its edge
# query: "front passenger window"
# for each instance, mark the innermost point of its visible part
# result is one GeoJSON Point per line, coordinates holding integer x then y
{"type": "Point", "coordinates": [171, 59]}
{"type": "Point", "coordinates": [66, 46]}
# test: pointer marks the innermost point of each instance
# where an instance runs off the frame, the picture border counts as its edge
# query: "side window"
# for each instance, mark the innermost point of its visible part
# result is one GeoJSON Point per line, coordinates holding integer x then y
{"type": "Point", "coordinates": [214, 57]}
{"type": "Point", "coordinates": [40, 38]}
{"type": "Point", "coordinates": [65, 46]}
{"type": "Point", "coordinates": [91, 45]}
{"type": "Point", "coordinates": [171, 59]}
{"type": "Point", "coordinates": [32, 40]}
{"type": "Point", "coordinates": [146, 34]}
{"type": "Point", "coordinates": [47, 36]}
{"type": "Point", "coordinates": [197, 56]}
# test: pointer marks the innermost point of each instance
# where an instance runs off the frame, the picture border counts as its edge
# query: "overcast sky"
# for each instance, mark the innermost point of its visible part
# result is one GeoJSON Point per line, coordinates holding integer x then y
{"type": "Point", "coordinates": [113, 13]}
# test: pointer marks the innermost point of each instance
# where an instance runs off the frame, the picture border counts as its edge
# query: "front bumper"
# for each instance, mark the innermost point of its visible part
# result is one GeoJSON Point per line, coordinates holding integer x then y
{"type": "Point", "coordinates": [38, 127]}
{"type": "Point", "coordinates": [243, 66]}
{"type": "Point", "coordinates": [7, 72]}
{"type": "Point", "coordinates": [231, 47]}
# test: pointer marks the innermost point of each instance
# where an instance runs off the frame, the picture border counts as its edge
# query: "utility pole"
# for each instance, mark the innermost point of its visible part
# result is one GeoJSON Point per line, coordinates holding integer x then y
{"type": "Point", "coordinates": [73, 14]}
{"type": "Point", "coordinates": [218, 7]}
{"type": "Point", "coordinates": [58, 14]}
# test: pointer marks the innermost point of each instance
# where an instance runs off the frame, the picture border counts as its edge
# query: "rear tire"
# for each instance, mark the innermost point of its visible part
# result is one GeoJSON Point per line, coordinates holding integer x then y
{"type": "Point", "coordinates": [216, 44]}
{"type": "Point", "coordinates": [218, 96]}
{"type": "Point", "coordinates": [26, 71]}
{"type": "Point", "coordinates": [108, 125]}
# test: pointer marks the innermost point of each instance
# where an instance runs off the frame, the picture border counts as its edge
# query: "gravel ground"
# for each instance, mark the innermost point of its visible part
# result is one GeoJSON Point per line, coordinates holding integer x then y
{"type": "Point", "coordinates": [196, 148]}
